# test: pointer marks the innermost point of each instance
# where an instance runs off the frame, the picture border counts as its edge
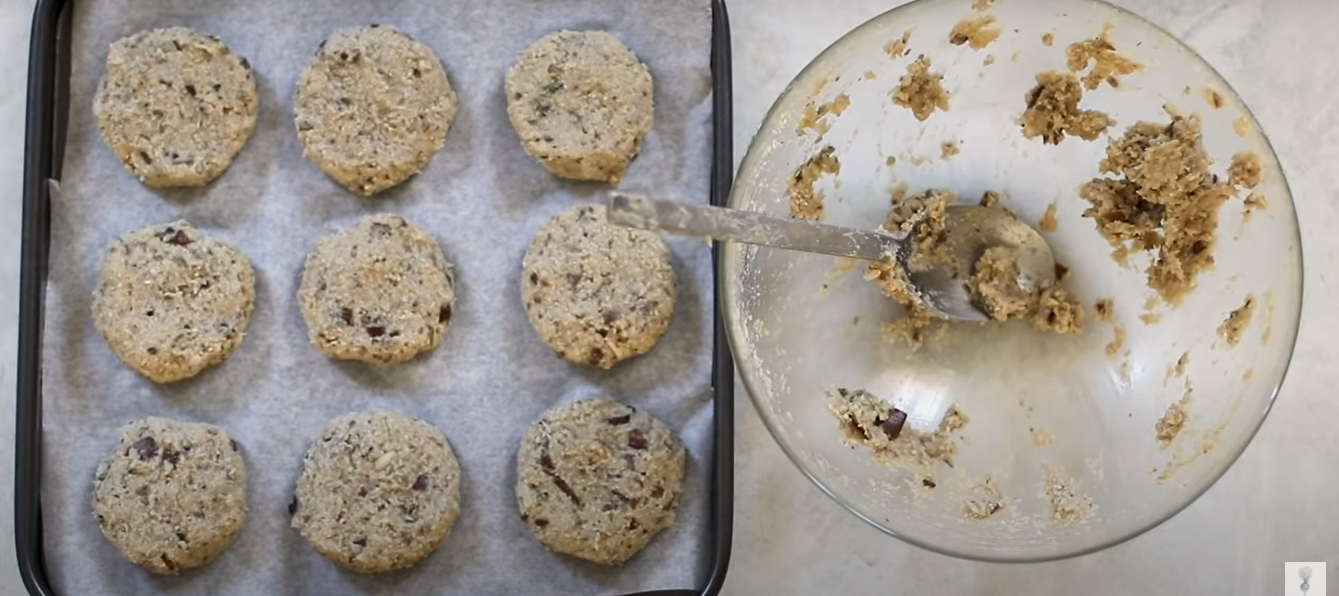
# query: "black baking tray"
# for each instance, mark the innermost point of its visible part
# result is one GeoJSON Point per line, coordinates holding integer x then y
{"type": "Point", "coordinates": [48, 108]}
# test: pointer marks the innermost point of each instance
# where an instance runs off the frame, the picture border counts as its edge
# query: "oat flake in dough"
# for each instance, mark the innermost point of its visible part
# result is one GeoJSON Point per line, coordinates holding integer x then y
{"type": "Point", "coordinates": [175, 106]}
{"type": "Point", "coordinates": [172, 496]}
{"type": "Point", "coordinates": [372, 107]}
{"type": "Point", "coordinates": [379, 491]}
{"type": "Point", "coordinates": [594, 292]}
{"type": "Point", "coordinates": [598, 479]}
{"type": "Point", "coordinates": [172, 301]}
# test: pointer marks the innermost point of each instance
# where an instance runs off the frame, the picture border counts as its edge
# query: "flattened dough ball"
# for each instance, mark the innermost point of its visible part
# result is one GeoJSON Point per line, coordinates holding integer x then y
{"type": "Point", "coordinates": [373, 106]}
{"type": "Point", "coordinates": [581, 103]}
{"type": "Point", "coordinates": [378, 491]}
{"type": "Point", "coordinates": [599, 480]}
{"type": "Point", "coordinates": [175, 106]}
{"type": "Point", "coordinates": [594, 292]}
{"type": "Point", "coordinates": [172, 301]}
{"type": "Point", "coordinates": [172, 496]}
{"type": "Point", "coordinates": [379, 292]}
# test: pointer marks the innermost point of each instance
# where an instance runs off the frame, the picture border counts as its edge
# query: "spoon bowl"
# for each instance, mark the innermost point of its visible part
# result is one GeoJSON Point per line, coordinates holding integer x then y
{"type": "Point", "coordinates": [970, 229]}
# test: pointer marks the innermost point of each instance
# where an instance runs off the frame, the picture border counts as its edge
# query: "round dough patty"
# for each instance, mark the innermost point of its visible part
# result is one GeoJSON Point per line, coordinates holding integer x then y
{"type": "Point", "coordinates": [175, 106]}
{"type": "Point", "coordinates": [378, 491]}
{"type": "Point", "coordinates": [172, 301]}
{"type": "Point", "coordinates": [581, 103]}
{"type": "Point", "coordinates": [173, 494]}
{"type": "Point", "coordinates": [597, 293]}
{"type": "Point", "coordinates": [380, 292]}
{"type": "Point", "coordinates": [373, 107]}
{"type": "Point", "coordinates": [598, 479]}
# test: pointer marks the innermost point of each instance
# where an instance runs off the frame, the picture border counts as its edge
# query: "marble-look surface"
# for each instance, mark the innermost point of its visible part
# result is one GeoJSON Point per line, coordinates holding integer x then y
{"type": "Point", "coordinates": [1273, 506]}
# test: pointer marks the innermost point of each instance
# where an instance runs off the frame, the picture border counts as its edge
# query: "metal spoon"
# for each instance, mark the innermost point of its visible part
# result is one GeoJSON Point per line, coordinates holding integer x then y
{"type": "Point", "coordinates": [972, 229]}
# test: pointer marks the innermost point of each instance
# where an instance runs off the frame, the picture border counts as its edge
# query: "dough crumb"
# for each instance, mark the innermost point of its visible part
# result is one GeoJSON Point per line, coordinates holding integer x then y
{"type": "Point", "coordinates": [1269, 319]}
{"type": "Point", "coordinates": [1068, 504]}
{"type": "Point", "coordinates": [987, 500]}
{"type": "Point", "coordinates": [1178, 370]}
{"type": "Point", "coordinates": [915, 328]}
{"type": "Point", "coordinates": [1245, 170]}
{"type": "Point", "coordinates": [990, 59]}
{"type": "Point", "coordinates": [990, 198]}
{"type": "Point", "coordinates": [806, 202]}
{"type": "Point", "coordinates": [872, 423]}
{"type": "Point", "coordinates": [870, 75]}
{"type": "Point", "coordinates": [929, 209]}
{"type": "Point", "coordinates": [1150, 318]}
{"type": "Point", "coordinates": [1107, 64]}
{"type": "Point", "coordinates": [1213, 98]}
{"type": "Point", "coordinates": [921, 91]}
{"type": "Point", "coordinates": [1053, 111]}
{"type": "Point", "coordinates": [1048, 39]}
{"type": "Point", "coordinates": [1041, 437]}
{"type": "Point", "coordinates": [949, 149]}
{"type": "Point", "coordinates": [1104, 310]}
{"type": "Point", "coordinates": [1236, 323]}
{"type": "Point", "coordinates": [977, 32]}
{"type": "Point", "coordinates": [994, 288]}
{"type": "Point", "coordinates": [890, 161]}
{"type": "Point", "coordinates": [1254, 202]}
{"type": "Point", "coordinates": [982, 5]}
{"type": "Point", "coordinates": [1173, 420]}
{"type": "Point", "coordinates": [1047, 223]}
{"type": "Point", "coordinates": [994, 285]}
{"type": "Point", "coordinates": [1248, 375]}
{"type": "Point", "coordinates": [1117, 343]}
{"type": "Point", "coordinates": [1058, 312]}
{"type": "Point", "coordinates": [897, 48]}
{"type": "Point", "coordinates": [812, 119]}
{"type": "Point", "coordinates": [1241, 126]}
{"type": "Point", "coordinates": [1185, 456]}
{"type": "Point", "coordinates": [1165, 201]}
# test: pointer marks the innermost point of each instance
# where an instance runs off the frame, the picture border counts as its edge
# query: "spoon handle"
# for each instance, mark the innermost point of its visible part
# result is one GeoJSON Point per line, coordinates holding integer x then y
{"type": "Point", "coordinates": [721, 223]}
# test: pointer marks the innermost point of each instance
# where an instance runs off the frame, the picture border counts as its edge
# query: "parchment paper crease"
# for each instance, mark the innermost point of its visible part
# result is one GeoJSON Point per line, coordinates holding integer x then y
{"type": "Point", "coordinates": [481, 197]}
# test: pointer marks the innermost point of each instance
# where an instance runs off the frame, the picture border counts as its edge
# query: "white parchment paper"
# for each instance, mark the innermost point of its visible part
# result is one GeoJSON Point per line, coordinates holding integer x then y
{"type": "Point", "coordinates": [481, 197]}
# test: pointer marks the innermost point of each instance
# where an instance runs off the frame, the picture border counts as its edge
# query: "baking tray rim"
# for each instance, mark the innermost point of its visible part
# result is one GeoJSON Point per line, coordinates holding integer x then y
{"type": "Point", "coordinates": [47, 110]}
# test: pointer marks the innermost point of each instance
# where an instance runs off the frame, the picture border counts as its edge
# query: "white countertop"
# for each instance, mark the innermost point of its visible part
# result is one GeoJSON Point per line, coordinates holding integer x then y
{"type": "Point", "coordinates": [1273, 506]}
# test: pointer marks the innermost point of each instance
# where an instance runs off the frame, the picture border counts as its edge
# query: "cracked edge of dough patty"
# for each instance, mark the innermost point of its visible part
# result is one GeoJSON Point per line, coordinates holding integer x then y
{"type": "Point", "coordinates": [379, 491]}
{"type": "Point", "coordinates": [176, 106]}
{"type": "Point", "coordinates": [372, 107]}
{"type": "Point", "coordinates": [172, 301]}
{"type": "Point", "coordinates": [599, 480]}
{"type": "Point", "coordinates": [581, 103]}
{"type": "Point", "coordinates": [380, 291]}
{"type": "Point", "coordinates": [596, 293]}
{"type": "Point", "coordinates": [172, 495]}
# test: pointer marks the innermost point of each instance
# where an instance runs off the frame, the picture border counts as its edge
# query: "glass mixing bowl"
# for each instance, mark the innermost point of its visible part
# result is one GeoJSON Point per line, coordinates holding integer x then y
{"type": "Point", "coordinates": [801, 325]}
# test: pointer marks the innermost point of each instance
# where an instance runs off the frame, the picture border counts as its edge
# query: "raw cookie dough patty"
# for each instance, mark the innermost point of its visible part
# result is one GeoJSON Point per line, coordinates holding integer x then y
{"type": "Point", "coordinates": [378, 491]}
{"type": "Point", "coordinates": [172, 301]}
{"type": "Point", "coordinates": [597, 479]}
{"type": "Point", "coordinates": [597, 293]}
{"type": "Point", "coordinates": [373, 106]}
{"type": "Point", "coordinates": [581, 103]}
{"type": "Point", "coordinates": [175, 106]}
{"type": "Point", "coordinates": [380, 292]}
{"type": "Point", "coordinates": [172, 496]}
